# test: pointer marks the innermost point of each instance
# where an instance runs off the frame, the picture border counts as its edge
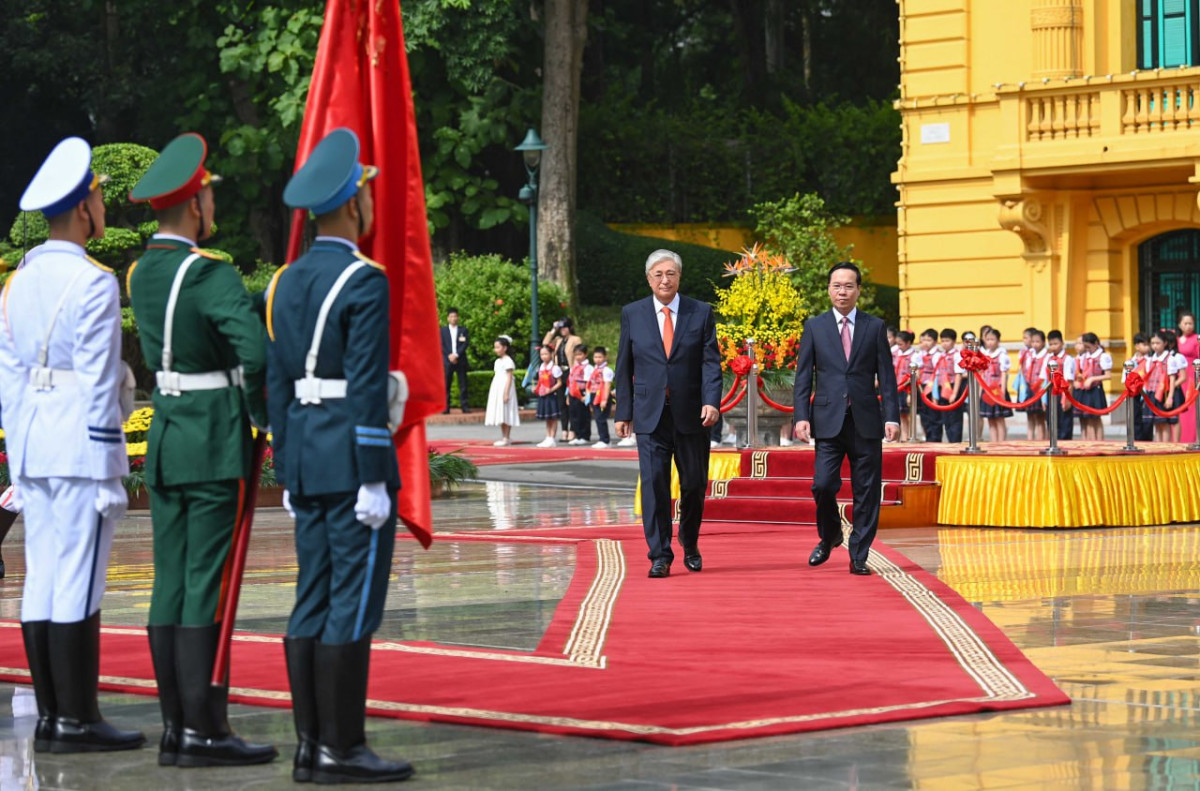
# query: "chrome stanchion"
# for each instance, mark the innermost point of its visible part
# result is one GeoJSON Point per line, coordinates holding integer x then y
{"type": "Point", "coordinates": [914, 395]}
{"type": "Point", "coordinates": [752, 397]}
{"type": "Point", "coordinates": [972, 345]}
{"type": "Point", "coordinates": [1196, 384]}
{"type": "Point", "coordinates": [1130, 406]}
{"type": "Point", "coordinates": [1052, 415]}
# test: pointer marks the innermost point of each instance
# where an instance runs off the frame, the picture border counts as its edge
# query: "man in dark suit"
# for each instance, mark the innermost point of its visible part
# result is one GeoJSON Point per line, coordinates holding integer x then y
{"type": "Point", "coordinates": [454, 358]}
{"type": "Point", "coordinates": [846, 352]}
{"type": "Point", "coordinates": [668, 389]}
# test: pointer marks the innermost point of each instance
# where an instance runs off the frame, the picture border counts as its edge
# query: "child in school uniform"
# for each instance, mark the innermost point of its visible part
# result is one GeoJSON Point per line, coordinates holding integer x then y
{"type": "Point", "coordinates": [928, 356]}
{"type": "Point", "coordinates": [599, 393]}
{"type": "Point", "coordinates": [577, 408]}
{"type": "Point", "coordinates": [995, 377]}
{"type": "Point", "coordinates": [1160, 384]}
{"type": "Point", "coordinates": [902, 361]}
{"type": "Point", "coordinates": [1092, 368]}
{"type": "Point", "coordinates": [1056, 351]}
{"type": "Point", "coordinates": [1179, 365]}
{"type": "Point", "coordinates": [1020, 383]}
{"type": "Point", "coordinates": [893, 336]}
{"type": "Point", "coordinates": [1143, 428]}
{"type": "Point", "coordinates": [950, 384]}
{"type": "Point", "coordinates": [546, 387]}
{"type": "Point", "coordinates": [502, 396]}
{"type": "Point", "coordinates": [1031, 372]}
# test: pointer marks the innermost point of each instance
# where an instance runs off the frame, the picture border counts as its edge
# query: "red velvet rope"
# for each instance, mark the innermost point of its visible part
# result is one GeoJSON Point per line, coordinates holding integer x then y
{"type": "Point", "coordinates": [1187, 403]}
{"type": "Point", "coordinates": [992, 398]}
{"type": "Point", "coordinates": [737, 380]}
{"type": "Point", "coordinates": [728, 406]}
{"type": "Point", "coordinates": [1063, 387]}
{"type": "Point", "coordinates": [953, 405]}
{"type": "Point", "coordinates": [762, 393]}
{"type": "Point", "coordinates": [902, 385]}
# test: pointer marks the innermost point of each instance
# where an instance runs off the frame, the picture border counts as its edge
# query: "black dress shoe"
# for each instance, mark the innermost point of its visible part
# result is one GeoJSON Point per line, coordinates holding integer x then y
{"type": "Point", "coordinates": [820, 553]}
{"type": "Point", "coordinates": [73, 736]}
{"type": "Point", "coordinates": [466, 411]}
{"type": "Point", "coordinates": [692, 560]}
{"type": "Point", "coordinates": [445, 411]}
{"type": "Point", "coordinates": [660, 568]}
{"type": "Point", "coordinates": [357, 765]}
{"type": "Point", "coordinates": [859, 568]}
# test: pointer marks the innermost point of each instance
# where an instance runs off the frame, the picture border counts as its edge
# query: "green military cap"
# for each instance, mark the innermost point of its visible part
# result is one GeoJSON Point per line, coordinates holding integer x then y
{"type": "Point", "coordinates": [177, 174]}
{"type": "Point", "coordinates": [331, 176]}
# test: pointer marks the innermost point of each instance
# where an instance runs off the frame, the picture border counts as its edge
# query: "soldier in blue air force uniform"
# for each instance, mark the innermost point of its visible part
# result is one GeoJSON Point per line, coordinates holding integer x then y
{"type": "Point", "coordinates": [327, 383]}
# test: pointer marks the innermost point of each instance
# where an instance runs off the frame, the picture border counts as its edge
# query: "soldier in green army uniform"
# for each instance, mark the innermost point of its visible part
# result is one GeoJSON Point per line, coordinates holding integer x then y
{"type": "Point", "coordinates": [200, 334]}
{"type": "Point", "coordinates": [328, 399]}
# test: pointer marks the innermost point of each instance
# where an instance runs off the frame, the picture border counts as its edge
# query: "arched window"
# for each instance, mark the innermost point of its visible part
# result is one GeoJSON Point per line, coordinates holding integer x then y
{"type": "Point", "coordinates": [1168, 33]}
{"type": "Point", "coordinates": [1169, 266]}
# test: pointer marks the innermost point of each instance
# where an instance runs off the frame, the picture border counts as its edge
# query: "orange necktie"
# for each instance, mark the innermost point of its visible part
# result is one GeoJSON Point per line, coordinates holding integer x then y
{"type": "Point", "coordinates": [668, 331]}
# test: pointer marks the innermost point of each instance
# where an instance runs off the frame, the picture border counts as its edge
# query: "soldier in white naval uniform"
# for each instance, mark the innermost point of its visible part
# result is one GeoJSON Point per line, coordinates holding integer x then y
{"type": "Point", "coordinates": [60, 379]}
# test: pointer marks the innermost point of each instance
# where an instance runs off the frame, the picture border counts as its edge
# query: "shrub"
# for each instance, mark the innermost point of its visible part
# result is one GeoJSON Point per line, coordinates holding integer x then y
{"type": "Point", "coordinates": [492, 295]}
{"type": "Point", "coordinates": [612, 265]}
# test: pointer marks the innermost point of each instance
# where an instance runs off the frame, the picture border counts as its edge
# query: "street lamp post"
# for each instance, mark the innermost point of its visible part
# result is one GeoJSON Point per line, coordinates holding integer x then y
{"type": "Point", "coordinates": [531, 149]}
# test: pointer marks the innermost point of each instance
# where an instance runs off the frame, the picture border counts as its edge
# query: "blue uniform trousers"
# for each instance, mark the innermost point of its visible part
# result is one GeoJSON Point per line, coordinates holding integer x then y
{"type": "Point", "coordinates": [344, 570]}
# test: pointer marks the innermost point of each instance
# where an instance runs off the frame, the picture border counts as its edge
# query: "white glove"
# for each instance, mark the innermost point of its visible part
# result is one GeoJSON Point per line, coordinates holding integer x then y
{"type": "Point", "coordinates": [287, 504]}
{"type": "Point", "coordinates": [374, 506]}
{"type": "Point", "coordinates": [111, 499]}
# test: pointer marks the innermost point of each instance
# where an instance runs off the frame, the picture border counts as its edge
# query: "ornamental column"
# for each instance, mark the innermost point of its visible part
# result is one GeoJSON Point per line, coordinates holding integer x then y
{"type": "Point", "coordinates": [1057, 38]}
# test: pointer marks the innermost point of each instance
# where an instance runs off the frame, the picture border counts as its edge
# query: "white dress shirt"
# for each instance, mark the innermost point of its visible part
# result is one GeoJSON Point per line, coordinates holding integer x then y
{"type": "Point", "coordinates": [852, 316]}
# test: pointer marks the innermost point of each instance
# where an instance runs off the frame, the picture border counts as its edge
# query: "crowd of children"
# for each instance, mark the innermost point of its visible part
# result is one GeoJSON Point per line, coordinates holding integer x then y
{"type": "Point", "coordinates": [941, 378]}
{"type": "Point", "coordinates": [588, 386]}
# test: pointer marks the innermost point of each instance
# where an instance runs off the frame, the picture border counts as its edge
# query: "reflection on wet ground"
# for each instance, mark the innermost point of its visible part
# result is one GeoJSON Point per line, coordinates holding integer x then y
{"type": "Point", "coordinates": [1111, 615]}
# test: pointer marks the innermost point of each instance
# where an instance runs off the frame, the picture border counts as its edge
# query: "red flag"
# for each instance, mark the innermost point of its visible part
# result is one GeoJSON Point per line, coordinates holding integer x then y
{"type": "Point", "coordinates": [360, 80]}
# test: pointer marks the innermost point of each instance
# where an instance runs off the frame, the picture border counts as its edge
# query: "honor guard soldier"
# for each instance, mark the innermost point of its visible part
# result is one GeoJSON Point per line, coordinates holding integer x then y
{"type": "Point", "coordinates": [60, 385]}
{"type": "Point", "coordinates": [207, 347]}
{"type": "Point", "coordinates": [328, 399]}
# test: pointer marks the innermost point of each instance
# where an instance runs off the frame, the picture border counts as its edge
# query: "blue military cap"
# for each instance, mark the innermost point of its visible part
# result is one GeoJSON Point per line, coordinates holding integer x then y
{"type": "Point", "coordinates": [63, 180]}
{"type": "Point", "coordinates": [331, 176]}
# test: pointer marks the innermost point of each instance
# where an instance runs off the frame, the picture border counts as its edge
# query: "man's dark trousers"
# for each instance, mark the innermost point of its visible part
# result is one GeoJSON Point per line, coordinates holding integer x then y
{"type": "Point", "coordinates": [952, 421]}
{"type": "Point", "coordinates": [655, 451]}
{"type": "Point", "coordinates": [459, 368]}
{"type": "Point", "coordinates": [1066, 420]}
{"type": "Point", "coordinates": [866, 465]}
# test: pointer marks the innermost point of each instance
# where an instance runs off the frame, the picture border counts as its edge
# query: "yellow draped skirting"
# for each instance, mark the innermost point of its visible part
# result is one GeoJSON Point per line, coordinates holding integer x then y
{"type": "Point", "coordinates": [721, 465]}
{"type": "Point", "coordinates": [1096, 491]}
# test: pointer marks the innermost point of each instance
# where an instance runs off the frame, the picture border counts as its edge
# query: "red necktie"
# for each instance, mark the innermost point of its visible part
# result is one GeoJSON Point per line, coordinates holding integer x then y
{"type": "Point", "coordinates": [668, 331]}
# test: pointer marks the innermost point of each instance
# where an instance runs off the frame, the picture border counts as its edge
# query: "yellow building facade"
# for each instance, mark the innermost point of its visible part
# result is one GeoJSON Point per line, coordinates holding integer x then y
{"type": "Point", "coordinates": [1050, 165]}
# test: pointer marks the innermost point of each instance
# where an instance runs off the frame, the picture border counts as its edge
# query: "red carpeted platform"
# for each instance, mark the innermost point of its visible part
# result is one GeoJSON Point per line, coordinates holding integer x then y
{"type": "Point", "coordinates": [756, 644]}
{"type": "Point", "coordinates": [484, 453]}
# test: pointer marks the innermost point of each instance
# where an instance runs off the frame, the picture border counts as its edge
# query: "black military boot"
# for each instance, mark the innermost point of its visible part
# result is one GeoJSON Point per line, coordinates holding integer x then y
{"type": "Point", "coordinates": [162, 653]}
{"type": "Point", "coordinates": [75, 668]}
{"type": "Point", "coordinates": [343, 755]}
{"type": "Point", "coordinates": [37, 651]}
{"type": "Point", "coordinates": [6, 522]}
{"type": "Point", "coordinates": [299, 653]}
{"type": "Point", "coordinates": [207, 739]}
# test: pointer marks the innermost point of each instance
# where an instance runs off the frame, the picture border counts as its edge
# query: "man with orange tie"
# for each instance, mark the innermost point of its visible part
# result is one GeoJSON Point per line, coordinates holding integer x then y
{"type": "Point", "coordinates": [668, 390]}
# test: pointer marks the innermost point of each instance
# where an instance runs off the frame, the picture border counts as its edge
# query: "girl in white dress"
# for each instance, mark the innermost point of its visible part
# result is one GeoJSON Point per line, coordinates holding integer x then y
{"type": "Point", "coordinates": [502, 397]}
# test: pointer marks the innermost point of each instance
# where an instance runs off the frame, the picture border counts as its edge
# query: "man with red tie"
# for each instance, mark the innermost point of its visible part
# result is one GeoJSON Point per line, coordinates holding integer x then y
{"type": "Point", "coordinates": [668, 390]}
{"type": "Point", "coordinates": [853, 408]}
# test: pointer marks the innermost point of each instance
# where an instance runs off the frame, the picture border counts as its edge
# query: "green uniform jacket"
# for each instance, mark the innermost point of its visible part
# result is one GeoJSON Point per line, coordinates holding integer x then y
{"type": "Point", "coordinates": [200, 435]}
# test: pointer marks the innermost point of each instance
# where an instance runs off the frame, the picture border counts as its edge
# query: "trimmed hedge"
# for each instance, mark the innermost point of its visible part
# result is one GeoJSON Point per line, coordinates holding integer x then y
{"type": "Point", "coordinates": [612, 265]}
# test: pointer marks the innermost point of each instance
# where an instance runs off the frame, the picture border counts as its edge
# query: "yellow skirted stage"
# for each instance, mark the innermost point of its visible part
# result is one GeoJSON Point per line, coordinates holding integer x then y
{"type": "Point", "coordinates": [1093, 486]}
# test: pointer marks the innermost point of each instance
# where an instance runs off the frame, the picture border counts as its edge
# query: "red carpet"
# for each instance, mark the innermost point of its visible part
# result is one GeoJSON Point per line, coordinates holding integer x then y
{"type": "Point", "coordinates": [756, 644]}
{"type": "Point", "coordinates": [483, 452]}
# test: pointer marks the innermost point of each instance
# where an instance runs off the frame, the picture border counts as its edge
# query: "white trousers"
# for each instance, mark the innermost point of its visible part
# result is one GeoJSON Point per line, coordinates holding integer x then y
{"type": "Point", "coordinates": [66, 549]}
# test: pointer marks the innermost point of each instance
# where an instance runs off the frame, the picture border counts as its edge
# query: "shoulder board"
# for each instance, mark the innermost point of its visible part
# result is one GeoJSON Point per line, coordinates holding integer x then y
{"type": "Point", "coordinates": [271, 300]}
{"type": "Point", "coordinates": [129, 278]}
{"type": "Point", "coordinates": [97, 264]}
{"type": "Point", "coordinates": [206, 254]}
{"type": "Point", "coordinates": [366, 260]}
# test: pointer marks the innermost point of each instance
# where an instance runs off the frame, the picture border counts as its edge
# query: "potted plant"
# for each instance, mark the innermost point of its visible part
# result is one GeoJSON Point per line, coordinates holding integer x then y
{"type": "Point", "coordinates": [761, 304]}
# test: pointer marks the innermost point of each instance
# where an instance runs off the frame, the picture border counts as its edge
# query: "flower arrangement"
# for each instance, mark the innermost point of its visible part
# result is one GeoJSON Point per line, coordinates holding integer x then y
{"type": "Point", "coordinates": [761, 303]}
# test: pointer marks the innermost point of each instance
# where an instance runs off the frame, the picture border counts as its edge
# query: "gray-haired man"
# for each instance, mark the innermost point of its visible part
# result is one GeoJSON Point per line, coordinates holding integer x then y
{"type": "Point", "coordinates": [669, 387]}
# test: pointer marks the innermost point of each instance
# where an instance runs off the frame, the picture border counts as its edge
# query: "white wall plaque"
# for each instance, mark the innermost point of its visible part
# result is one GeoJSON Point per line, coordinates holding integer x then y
{"type": "Point", "coordinates": [935, 133]}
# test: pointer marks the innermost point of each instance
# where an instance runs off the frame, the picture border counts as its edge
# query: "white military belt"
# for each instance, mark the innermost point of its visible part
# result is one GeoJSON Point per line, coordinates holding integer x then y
{"type": "Point", "coordinates": [311, 390]}
{"type": "Point", "coordinates": [44, 379]}
{"type": "Point", "coordinates": [174, 383]}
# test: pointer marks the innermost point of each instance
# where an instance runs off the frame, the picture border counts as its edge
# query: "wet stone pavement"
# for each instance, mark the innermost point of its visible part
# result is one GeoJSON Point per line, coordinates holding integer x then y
{"type": "Point", "coordinates": [1111, 615]}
